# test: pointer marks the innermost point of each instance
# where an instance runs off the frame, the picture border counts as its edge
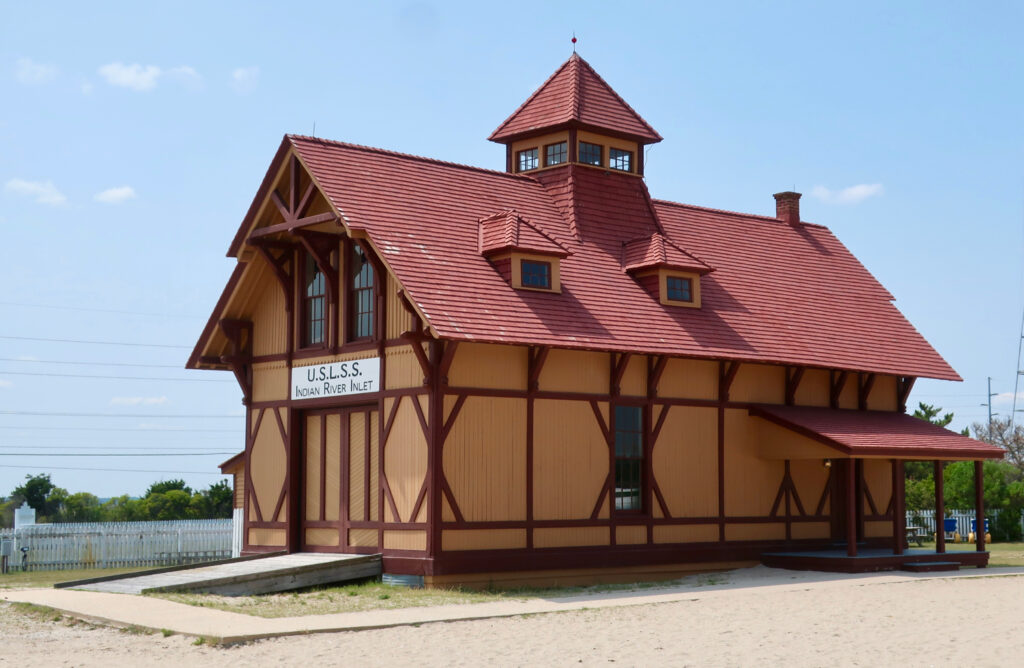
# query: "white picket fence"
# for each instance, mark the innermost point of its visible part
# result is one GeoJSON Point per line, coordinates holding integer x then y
{"type": "Point", "coordinates": [54, 547]}
{"type": "Point", "coordinates": [926, 519]}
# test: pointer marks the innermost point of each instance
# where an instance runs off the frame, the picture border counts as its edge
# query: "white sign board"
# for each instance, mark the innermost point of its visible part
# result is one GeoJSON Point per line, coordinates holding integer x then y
{"type": "Point", "coordinates": [337, 379]}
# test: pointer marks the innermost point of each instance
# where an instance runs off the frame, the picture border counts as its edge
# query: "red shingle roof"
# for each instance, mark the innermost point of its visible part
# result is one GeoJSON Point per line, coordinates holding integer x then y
{"type": "Point", "coordinates": [575, 93]}
{"type": "Point", "coordinates": [657, 251]}
{"type": "Point", "coordinates": [877, 433]}
{"type": "Point", "coordinates": [507, 230]}
{"type": "Point", "coordinates": [779, 293]}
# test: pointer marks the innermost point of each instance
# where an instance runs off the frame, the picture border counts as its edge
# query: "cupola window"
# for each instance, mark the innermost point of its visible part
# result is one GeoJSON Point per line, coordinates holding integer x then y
{"type": "Point", "coordinates": [679, 289]}
{"type": "Point", "coordinates": [527, 160]}
{"type": "Point", "coordinates": [590, 154]}
{"type": "Point", "coordinates": [556, 154]}
{"type": "Point", "coordinates": [620, 160]}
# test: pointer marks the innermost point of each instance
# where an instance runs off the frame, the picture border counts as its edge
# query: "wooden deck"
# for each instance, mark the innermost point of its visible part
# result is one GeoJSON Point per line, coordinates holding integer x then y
{"type": "Point", "coordinates": [243, 577]}
{"type": "Point", "coordinates": [869, 560]}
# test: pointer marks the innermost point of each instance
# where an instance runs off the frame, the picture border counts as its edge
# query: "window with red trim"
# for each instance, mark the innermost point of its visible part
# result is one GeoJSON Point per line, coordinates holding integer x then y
{"type": "Point", "coordinates": [314, 304]}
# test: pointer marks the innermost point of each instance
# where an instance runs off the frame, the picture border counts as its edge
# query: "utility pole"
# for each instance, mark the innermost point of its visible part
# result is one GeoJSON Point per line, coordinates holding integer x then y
{"type": "Point", "coordinates": [989, 402]}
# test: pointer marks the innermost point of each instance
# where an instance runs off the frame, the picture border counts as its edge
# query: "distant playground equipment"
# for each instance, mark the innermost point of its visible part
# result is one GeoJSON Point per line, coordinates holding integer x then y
{"type": "Point", "coordinates": [950, 530]}
{"type": "Point", "coordinates": [974, 528]}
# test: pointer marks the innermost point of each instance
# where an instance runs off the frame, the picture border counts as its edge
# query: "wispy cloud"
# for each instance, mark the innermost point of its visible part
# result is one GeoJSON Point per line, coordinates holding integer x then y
{"type": "Point", "coordinates": [26, 358]}
{"type": "Point", "coordinates": [134, 76]}
{"type": "Point", "coordinates": [852, 195]}
{"type": "Point", "coordinates": [6, 383]}
{"type": "Point", "coordinates": [1007, 398]}
{"type": "Point", "coordinates": [33, 74]}
{"type": "Point", "coordinates": [245, 79]}
{"type": "Point", "coordinates": [115, 195]}
{"type": "Point", "coordinates": [43, 192]}
{"type": "Point", "coordinates": [186, 76]}
{"type": "Point", "coordinates": [138, 401]}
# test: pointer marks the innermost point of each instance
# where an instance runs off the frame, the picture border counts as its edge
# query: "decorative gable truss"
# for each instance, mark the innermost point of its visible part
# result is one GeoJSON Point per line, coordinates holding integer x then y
{"type": "Point", "coordinates": [527, 257]}
{"type": "Point", "coordinates": [665, 270]}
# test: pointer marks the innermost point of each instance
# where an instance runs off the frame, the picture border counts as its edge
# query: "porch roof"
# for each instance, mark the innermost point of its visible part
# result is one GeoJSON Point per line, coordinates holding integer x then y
{"type": "Point", "coordinates": [877, 433]}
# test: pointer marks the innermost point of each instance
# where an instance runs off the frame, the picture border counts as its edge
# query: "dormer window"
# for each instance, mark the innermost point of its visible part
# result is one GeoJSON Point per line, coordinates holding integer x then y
{"type": "Point", "coordinates": [620, 160]}
{"type": "Point", "coordinates": [526, 160]}
{"type": "Point", "coordinates": [591, 154]}
{"type": "Point", "coordinates": [679, 289]}
{"type": "Point", "coordinates": [535, 274]}
{"type": "Point", "coordinates": [556, 154]}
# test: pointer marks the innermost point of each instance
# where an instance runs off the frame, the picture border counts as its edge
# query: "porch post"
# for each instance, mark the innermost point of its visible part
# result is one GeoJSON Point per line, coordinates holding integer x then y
{"type": "Point", "coordinates": [899, 513]}
{"type": "Point", "coordinates": [979, 505]}
{"type": "Point", "coordinates": [851, 508]}
{"type": "Point", "coordinates": [940, 510]}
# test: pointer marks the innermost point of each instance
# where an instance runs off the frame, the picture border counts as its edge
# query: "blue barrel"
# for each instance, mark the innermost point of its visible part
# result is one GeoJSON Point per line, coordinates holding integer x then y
{"type": "Point", "coordinates": [974, 524]}
{"type": "Point", "coordinates": [949, 524]}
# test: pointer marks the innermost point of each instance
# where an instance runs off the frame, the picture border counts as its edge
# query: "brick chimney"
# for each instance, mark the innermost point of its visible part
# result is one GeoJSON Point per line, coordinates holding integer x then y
{"type": "Point", "coordinates": [787, 207]}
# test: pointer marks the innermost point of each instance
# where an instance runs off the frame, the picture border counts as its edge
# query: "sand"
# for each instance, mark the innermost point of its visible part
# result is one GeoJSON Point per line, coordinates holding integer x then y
{"type": "Point", "coordinates": [924, 622]}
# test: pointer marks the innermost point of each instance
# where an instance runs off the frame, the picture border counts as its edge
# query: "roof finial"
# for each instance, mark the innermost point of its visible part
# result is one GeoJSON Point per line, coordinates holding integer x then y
{"type": "Point", "coordinates": [574, 41]}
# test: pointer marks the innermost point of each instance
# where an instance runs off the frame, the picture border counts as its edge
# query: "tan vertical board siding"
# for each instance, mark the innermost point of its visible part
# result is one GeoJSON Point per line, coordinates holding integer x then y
{"type": "Point", "coordinates": [755, 531]}
{"type": "Point", "coordinates": [402, 369]}
{"type": "Point", "coordinates": [485, 459]}
{"type": "Point", "coordinates": [685, 461]}
{"type": "Point", "coordinates": [405, 459]}
{"type": "Point", "coordinates": [689, 379]}
{"type": "Point", "coordinates": [332, 488]}
{"type": "Point", "coordinates": [813, 389]}
{"type": "Point", "coordinates": [491, 366]}
{"type": "Point", "coordinates": [634, 379]}
{"type": "Point", "coordinates": [405, 540]}
{"type": "Point", "coordinates": [570, 460]}
{"type": "Point", "coordinates": [806, 530]}
{"type": "Point", "coordinates": [759, 383]}
{"type": "Point", "coordinates": [775, 442]}
{"type": "Point", "coordinates": [751, 482]}
{"type": "Point", "coordinates": [399, 320]}
{"type": "Point", "coordinates": [322, 537]}
{"type": "Point", "coordinates": [269, 317]}
{"type": "Point", "coordinates": [634, 535]}
{"type": "Point", "coordinates": [266, 537]}
{"type": "Point", "coordinates": [311, 476]}
{"type": "Point", "coordinates": [446, 510]}
{"type": "Point", "coordinates": [571, 536]}
{"type": "Point", "coordinates": [575, 371]}
{"type": "Point", "coordinates": [374, 466]}
{"type": "Point", "coordinates": [878, 529]}
{"type": "Point", "coordinates": [362, 537]}
{"type": "Point", "coordinates": [239, 487]}
{"type": "Point", "coordinates": [878, 479]}
{"type": "Point", "coordinates": [483, 539]}
{"type": "Point", "coordinates": [343, 293]}
{"type": "Point", "coordinates": [686, 533]}
{"type": "Point", "coordinates": [883, 394]}
{"type": "Point", "coordinates": [356, 472]}
{"type": "Point", "coordinates": [268, 461]}
{"type": "Point", "coordinates": [810, 478]}
{"type": "Point", "coordinates": [848, 397]}
{"type": "Point", "coordinates": [270, 381]}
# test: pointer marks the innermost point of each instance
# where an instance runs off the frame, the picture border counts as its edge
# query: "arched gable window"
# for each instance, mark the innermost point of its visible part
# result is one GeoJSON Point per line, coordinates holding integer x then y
{"type": "Point", "coordinates": [360, 295]}
{"type": "Point", "coordinates": [314, 304]}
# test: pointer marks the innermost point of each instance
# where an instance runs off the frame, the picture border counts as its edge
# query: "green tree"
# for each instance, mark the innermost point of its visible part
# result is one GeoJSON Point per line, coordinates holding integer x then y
{"type": "Point", "coordinates": [164, 486]}
{"type": "Point", "coordinates": [39, 492]}
{"type": "Point", "coordinates": [123, 509]}
{"type": "Point", "coordinates": [81, 507]}
{"type": "Point", "coordinates": [170, 505]}
{"type": "Point", "coordinates": [221, 500]}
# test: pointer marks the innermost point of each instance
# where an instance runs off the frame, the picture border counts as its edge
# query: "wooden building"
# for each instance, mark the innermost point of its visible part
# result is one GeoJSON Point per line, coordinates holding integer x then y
{"type": "Point", "coordinates": [543, 372]}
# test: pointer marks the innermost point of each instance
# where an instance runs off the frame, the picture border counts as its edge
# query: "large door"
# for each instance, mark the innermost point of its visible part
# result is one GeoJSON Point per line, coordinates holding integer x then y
{"type": "Point", "coordinates": [340, 470]}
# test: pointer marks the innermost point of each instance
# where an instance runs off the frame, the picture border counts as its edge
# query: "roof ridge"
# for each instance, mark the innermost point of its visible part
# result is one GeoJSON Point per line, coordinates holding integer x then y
{"type": "Point", "coordinates": [536, 228]}
{"type": "Point", "coordinates": [740, 214]}
{"type": "Point", "coordinates": [619, 98]}
{"type": "Point", "coordinates": [410, 156]}
{"type": "Point", "coordinates": [530, 98]}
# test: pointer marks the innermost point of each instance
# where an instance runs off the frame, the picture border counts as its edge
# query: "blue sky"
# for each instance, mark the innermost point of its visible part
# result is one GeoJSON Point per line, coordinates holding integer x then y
{"type": "Point", "coordinates": [133, 137]}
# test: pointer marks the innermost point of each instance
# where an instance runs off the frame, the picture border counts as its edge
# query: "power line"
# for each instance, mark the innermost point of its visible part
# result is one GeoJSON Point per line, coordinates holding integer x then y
{"type": "Point", "coordinates": [111, 454]}
{"type": "Point", "coordinates": [202, 448]}
{"type": "Point", "coordinates": [101, 310]}
{"type": "Point", "coordinates": [119, 415]}
{"type": "Point", "coordinates": [151, 430]}
{"type": "Point", "coordinates": [94, 343]}
{"type": "Point", "coordinates": [148, 366]}
{"type": "Point", "coordinates": [83, 375]}
{"type": "Point", "coordinates": [80, 468]}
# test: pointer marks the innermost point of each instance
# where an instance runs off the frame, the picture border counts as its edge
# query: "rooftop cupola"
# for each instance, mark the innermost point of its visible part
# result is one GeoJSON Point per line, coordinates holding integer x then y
{"type": "Point", "coordinates": [575, 118]}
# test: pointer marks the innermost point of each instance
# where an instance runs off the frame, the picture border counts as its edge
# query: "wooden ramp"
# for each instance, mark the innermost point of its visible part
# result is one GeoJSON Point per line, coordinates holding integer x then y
{"type": "Point", "coordinates": [242, 577]}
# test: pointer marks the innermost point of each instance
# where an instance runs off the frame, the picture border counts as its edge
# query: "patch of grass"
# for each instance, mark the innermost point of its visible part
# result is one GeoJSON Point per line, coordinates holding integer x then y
{"type": "Point", "coordinates": [40, 612]}
{"type": "Point", "coordinates": [166, 633]}
{"type": "Point", "coordinates": [199, 641]}
{"type": "Point", "coordinates": [137, 630]}
{"type": "Point", "coordinates": [46, 579]}
{"type": "Point", "coordinates": [1000, 554]}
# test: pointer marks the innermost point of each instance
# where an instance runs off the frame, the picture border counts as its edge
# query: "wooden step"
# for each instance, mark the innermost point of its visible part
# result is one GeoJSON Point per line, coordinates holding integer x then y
{"type": "Point", "coordinates": [930, 566]}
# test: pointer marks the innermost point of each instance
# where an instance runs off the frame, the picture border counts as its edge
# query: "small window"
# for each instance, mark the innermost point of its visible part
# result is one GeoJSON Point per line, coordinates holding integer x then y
{"type": "Point", "coordinates": [629, 458]}
{"type": "Point", "coordinates": [314, 304]}
{"type": "Point", "coordinates": [590, 154]}
{"type": "Point", "coordinates": [556, 154]}
{"type": "Point", "coordinates": [527, 160]}
{"type": "Point", "coordinates": [361, 295]}
{"type": "Point", "coordinates": [679, 289]}
{"type": "Point", "coordinates": [620, 160]}
{"type": "Point", "coordinates": [535, 274]}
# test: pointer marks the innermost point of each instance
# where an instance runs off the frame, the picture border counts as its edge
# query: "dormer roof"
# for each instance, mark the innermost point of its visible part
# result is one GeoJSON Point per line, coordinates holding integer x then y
{"type": "Point", "coordinates": [655, 252]}
{"type": "Point", "coordinates": [509, 231]}
{"type": "Point", "coordinates": [575, 95]}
